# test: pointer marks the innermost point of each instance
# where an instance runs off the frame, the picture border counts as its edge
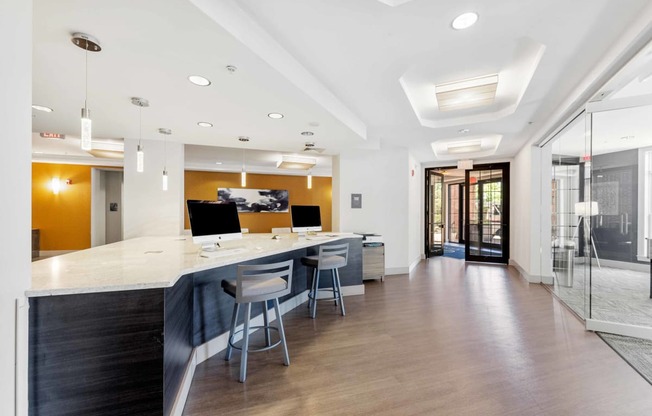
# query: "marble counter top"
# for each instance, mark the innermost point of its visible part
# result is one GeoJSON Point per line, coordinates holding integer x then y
{"type": "Point", "coordinates": [151, 262]}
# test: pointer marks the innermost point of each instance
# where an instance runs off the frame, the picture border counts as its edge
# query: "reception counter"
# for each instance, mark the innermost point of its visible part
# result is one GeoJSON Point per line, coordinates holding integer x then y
{"type": "Point", "coordinates": [115, 329]}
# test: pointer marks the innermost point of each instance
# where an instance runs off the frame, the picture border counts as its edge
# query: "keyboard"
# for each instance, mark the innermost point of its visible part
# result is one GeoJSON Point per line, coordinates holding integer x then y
{"type": "Point", "coordinates": [222, 252]}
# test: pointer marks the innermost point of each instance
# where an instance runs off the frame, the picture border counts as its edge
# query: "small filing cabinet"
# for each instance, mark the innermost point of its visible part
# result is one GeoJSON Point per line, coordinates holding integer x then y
{"type": "Point", "coordinates": [373, 261]}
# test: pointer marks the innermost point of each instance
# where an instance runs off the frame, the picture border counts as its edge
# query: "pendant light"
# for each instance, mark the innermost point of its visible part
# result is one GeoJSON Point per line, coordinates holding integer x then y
{"type": "Point", "coordinates": [140, 154]}
{"type": "Point", "coordinates": [165, 132]}
{"type": "Point", "coordinates": [309, 179]}
{"type": "Point", "coordinates": [87, 43]}
{"type": "Point", "coordinates": [243, 174]}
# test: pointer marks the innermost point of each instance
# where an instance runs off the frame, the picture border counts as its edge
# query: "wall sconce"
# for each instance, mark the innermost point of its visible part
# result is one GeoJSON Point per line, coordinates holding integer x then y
{"type": "Point", "coordinates": [56, 183]}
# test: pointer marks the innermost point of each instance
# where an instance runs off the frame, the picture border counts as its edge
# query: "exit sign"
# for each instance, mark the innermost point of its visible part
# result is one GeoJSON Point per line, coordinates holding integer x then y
{"type": "Point", "coordinates": [53, 136]}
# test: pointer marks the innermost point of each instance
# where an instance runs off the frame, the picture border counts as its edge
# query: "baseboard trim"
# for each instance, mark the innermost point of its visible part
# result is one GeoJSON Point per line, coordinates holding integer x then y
{"type": "Point", "coordinates": [186, 382]}
{"type": "Point", "coordinates": [415, 262]}
{"type": "Point", "coordinates": [530, 278]}
{"type": "Point", "coordinates": [619, 329]}
{"type": "Point", "coordinates": [396, 270]}
{"type": "Point", "coordinates": [52, 253]}
{"type": "Point", "coordinates": [639, 267]}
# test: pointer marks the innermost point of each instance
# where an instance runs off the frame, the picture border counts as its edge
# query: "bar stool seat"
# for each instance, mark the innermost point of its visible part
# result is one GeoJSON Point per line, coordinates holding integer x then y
{"type": "Point", "coordinates": [258, 283]}
{"type": "Point", "coordinates": [331, 257]}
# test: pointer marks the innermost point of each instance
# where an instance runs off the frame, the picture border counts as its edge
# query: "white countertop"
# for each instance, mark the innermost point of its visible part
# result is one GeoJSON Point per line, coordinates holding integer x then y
{"type": "Point", "coordinates": [151, 262]}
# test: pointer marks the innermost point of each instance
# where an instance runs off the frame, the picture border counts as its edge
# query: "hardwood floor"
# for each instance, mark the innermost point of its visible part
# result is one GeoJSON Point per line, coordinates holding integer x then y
{"type": "Point", "coordinates": [449, 339]}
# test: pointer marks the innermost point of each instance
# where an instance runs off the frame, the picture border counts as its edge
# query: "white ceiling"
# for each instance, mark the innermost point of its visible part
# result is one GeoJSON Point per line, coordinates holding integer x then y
{"type": "Point", "coordinates": [348, 66]}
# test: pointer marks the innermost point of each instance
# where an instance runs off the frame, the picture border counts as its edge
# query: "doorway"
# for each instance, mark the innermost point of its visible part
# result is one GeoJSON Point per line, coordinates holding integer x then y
{"type": "Point", "coordinates": [106, 206]}
{"type": "Point", "coordinates": [487, 213]}
{"type": "Point", "coordinates": [467, 213]}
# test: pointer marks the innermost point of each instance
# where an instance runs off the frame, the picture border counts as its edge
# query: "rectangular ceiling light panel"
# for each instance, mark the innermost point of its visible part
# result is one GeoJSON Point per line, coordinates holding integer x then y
{"type": "Point", "coordinates": [468, 93]}
{"type": "Point", "coordinates": [296, 162]}
{"type": "Point", "coordinates": [464, 148]}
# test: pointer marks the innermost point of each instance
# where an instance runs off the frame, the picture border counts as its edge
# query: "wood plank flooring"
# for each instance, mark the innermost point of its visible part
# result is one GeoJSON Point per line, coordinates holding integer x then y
{"type": "Point", "coordinates": [449, 339]}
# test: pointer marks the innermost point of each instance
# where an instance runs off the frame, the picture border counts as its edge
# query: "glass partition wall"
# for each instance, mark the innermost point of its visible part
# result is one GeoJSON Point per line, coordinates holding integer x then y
{"type": "Point", "coordinates": [570, 170]}
{"type": "Point", "coordinates": [600, 197]}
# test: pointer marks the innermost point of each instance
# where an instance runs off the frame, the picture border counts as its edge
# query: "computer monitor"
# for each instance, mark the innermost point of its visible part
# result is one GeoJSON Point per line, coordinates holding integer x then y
{"type": "Point", "coordinates": [305, 218]}
{"type": "Point", "coordinates": [212, 222]}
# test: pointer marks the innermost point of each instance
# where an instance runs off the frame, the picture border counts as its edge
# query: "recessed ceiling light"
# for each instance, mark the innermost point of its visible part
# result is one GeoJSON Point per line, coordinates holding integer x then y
{"type": "Point", "coordinates": [465, 20]}
{"type": "Point", "coordinates": [218, 163]}
{"type": "Point", "coordinates": [307, 133]}
{"type": "Point", "coordinates": [243, 138]}
{"type": "Point", "coordinates": [199, 80]}
{"type": "Point", "coordinates": [275, 116]}
{"type": "Point", "coordinates": [42, 108]}
{"type": "Point", "coordinates": [463, 130]}
{"type": "Point", "coordinates": [205, 124]}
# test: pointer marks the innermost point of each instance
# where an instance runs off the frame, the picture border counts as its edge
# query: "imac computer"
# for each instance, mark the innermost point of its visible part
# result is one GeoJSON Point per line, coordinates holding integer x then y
{"type": "Point", "coordinates": [212, 222]}
{"type": "Point", "coordinates": [305, 218]}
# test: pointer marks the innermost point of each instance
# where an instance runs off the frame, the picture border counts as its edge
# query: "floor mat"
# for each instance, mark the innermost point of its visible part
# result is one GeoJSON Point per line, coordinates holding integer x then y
{"type": "Point", "coordinates": [637, 352]}
{"type": "Point", "coordinates": [455, 251]}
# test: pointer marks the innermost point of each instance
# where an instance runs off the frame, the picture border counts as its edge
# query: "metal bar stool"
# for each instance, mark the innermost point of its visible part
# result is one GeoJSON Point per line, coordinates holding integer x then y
{"type": "Point", "coordinates": [330, 257]}
{"type": "Point", "coordinates": [258, 283]}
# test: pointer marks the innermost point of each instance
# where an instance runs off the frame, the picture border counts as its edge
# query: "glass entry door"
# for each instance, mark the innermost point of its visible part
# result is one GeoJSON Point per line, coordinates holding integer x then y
{"type": "Point", "coordinates": [456, 213]}
{"type": "Point", "coordinates": [487, 213]}
{"type": "Point", "coordinates": [434, 213]}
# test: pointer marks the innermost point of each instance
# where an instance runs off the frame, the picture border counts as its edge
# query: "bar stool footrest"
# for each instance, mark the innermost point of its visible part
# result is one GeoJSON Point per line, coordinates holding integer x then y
{"type": "Point", "coordinates": [267, 347]}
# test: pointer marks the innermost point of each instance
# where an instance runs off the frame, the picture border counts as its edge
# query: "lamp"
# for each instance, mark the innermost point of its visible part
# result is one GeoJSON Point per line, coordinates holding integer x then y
{"type": "Point", "coordinates": [140, 154]}
{"type": "Point", "coordinates": [87, 43]}
{"type": "Point", "coordinates": [165, 132]}
{"type": "Point", "coordinates": [55, 184]}
{"type": "Point", "coordinates": [310, 179]}
{"type": "Point", "coordinates": [587, 209]}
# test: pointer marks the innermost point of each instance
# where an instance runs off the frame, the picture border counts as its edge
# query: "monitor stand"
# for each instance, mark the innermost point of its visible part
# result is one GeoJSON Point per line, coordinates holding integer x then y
{"type": "Point", "coordinates": [210, 247]}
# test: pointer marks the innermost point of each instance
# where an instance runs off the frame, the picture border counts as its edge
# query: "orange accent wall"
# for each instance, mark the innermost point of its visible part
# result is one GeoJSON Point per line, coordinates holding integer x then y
{"type": "Point", "coordinates": [64, 219]}
{"type": "Point", "coordinates": [204, 185]}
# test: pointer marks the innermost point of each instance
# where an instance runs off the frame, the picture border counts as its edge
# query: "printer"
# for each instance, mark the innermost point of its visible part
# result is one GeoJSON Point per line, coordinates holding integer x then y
{"type": "Point", "coordinates": [371, 239]}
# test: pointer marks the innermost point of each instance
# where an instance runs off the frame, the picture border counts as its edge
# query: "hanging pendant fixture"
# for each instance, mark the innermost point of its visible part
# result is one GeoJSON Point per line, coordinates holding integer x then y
{"type": "Point", "coordinates": [88, 44]}
{"type": "Point", "coordinates": [309, 179]}
{"type": "Point", "coordinates": [140, 154]}
{"type": "Point", "coordinates": [165, 132]}
{"type": "Point", "coordinates": [243, 174]}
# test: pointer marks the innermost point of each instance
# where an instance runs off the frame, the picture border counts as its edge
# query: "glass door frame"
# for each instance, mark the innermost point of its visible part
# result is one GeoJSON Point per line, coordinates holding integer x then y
{"type": "Point", "coordinates": [593, 324]}
{"type": "Point", "coordinates": [505, 217]}
{"type": "Point", "coordinates": [459, 229]}
{"type": "Point", "coordinates": [429, 224]}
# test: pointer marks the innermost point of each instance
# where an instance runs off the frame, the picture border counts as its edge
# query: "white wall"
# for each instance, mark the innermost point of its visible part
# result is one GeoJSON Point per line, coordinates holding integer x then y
{"type": "Point", "coordinates": [113, 219]}
{"type": "Point", "coordinates": [390, 201]}
{"type": "Point", "coordinates": [526, 213]}
{"type": "Point", "coordinates": [416, 211]}
{"type": "Point", "coordinates": [148, 210]}
{"type": "Point", "coordinates": [15, 211]}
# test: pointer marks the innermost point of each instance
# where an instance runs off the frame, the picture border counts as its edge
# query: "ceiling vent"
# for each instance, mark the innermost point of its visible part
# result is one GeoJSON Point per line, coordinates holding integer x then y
{"type": "Point", "coordinates": [314, 149]}
{"type": "Point", "coordinates": [467, 93]}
